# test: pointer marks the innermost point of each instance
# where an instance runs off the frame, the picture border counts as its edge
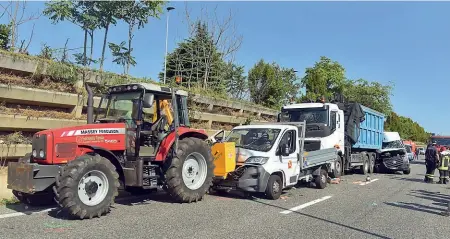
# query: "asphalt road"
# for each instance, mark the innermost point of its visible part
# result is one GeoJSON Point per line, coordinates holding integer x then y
{"type": "Point", "coordinates": [390, 206]}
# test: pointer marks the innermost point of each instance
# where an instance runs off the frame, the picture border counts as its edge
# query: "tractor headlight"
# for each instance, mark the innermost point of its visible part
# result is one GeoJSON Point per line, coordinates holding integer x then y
{"type": "Point", "coordinates": [41, 153]}
{"type": "Point", "coordinates": [34, 153]}
{"type": "Point", "coordinates": [257, 160]}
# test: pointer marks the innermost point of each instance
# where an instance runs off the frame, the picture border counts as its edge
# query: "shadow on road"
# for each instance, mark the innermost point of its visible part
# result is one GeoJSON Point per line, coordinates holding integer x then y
{"type": "Point", "coordinates": [438, 200]}
{"type": "Point", "coordinates": [417, 180]}
{"type": "Point", "coordinates": [324, 220]}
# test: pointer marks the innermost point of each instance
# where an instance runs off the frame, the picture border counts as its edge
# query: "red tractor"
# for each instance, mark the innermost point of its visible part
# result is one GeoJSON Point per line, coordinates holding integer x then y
{"type": "Point", "coordinates": [83, 167]}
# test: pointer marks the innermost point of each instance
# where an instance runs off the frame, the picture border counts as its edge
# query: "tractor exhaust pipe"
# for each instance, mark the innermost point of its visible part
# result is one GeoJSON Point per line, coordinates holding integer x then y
{"type": "Point", "coordinates": [90, 104]}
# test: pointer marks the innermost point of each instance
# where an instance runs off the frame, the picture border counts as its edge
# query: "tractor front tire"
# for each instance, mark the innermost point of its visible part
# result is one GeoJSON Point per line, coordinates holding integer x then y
{"type": "Point", "coordinates": [189, 174]}
{"type": "Point", "coordinates": [87, 186]}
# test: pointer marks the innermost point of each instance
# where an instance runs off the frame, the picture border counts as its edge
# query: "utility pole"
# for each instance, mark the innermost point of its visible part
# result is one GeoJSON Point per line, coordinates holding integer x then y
{"type": "Point", "coordinates": [167, 36]}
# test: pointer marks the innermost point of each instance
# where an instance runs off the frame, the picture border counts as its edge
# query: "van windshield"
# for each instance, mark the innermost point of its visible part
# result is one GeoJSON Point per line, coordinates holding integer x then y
{"type": "Point", "coordinates": [258, 139]}
{"type": "Point", "coordinates": [392, 145]}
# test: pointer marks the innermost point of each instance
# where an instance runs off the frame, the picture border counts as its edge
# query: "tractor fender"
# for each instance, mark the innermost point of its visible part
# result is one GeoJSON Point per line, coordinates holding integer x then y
{"type": "Point", "coordinates": [106, 154]}
{"type": "Point", "coordinates": [168, 141]}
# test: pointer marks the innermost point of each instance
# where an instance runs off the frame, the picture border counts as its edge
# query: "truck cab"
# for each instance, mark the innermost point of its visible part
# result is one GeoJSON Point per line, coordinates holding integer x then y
{"type": "Point", "coordinates": [324, 124]}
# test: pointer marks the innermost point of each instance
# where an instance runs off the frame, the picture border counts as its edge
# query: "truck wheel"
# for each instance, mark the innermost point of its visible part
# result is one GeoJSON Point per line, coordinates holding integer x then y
{"type": "Point", "coordinates": [371, 163]}
{"type": "Point", "coordinates": [364, 169]}
{"type": "Point", "coordinates": [189, 174]}
{"type": "Point", "coordinates": [274, 187]}
{"type": "Point", "coordinates": [87, 186]}
{"type": "Point", "coordinates": [321, 180]}
{"type": "Point", "coordinates": [408, 171]}
{"type": "Point", "coordinates": [337, 172]}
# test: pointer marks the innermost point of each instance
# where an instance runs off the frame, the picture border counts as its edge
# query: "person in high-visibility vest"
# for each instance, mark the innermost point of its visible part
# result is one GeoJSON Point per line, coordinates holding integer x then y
{"type": "Point", "coordinates": [443, 166]}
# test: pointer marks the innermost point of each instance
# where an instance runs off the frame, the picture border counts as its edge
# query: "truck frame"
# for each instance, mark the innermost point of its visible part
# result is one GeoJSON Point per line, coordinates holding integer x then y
{"type": "Point", "coordinates": [280, 165]}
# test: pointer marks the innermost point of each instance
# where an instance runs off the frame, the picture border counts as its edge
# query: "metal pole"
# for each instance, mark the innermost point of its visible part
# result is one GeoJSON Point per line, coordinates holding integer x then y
{"type": "Point", "coordinates": [167, 37]}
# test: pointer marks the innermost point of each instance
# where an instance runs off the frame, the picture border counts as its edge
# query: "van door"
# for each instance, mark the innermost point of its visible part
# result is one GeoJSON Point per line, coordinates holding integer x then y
{"type": "Point", "coordinates": [289, 160]}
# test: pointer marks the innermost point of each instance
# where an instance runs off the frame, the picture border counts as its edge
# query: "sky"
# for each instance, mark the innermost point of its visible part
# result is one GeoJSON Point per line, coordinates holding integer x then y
{"type": "Point", "coordinates": [407, 43]}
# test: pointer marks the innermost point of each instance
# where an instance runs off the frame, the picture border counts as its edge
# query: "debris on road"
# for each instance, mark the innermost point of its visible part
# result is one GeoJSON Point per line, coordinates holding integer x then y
{"type": "Point", "coordinates": [335, 180]}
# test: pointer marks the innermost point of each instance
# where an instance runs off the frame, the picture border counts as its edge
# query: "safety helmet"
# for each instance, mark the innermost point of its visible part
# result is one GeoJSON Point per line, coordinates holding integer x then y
{"type": "Point", "coordinates": [433, 142]}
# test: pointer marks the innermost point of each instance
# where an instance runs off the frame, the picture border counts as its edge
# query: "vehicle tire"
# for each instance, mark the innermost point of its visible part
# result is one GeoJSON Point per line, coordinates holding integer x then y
{"type": "Point", "coordinates": [408, 171]}
{"type": "Point", "coordinates": [274, 187]}
{"type": "Point", "coordinates": [35, 200]}
{"type": "Point", "coordinates": [371, 163]}
{"type": "Point", "coordinates": [338, 168]}
{"type": "Point", "coordinates": [87, 186]}
{"type": "Point", "coordinates": [189, 174]}
{"type": "Point", "coordinates": [364, 169]}
{"type": "Point", "coordinates": [321, 180]}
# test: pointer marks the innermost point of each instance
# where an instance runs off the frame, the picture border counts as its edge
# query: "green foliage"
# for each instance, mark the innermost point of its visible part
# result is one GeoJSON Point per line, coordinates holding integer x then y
{"type": "Point", "coordinates": [122, 55]}
{"type": "Point", "coordinates": [198, 62]}
{"type": "Point", "coordinates": [370, 94]}
{"type": "Point", "coordinates": [325, 78]}
{"type": "Point", "coordinates": [46, 52]}
{"type": "Point", "coordinates": [5, 36]}
{"type": "Point", "coordinates": [236, 84]}
{"type": "Point", "coordinates": [406, 127]}
{"type": "Point", "coordinates": [272, 86]}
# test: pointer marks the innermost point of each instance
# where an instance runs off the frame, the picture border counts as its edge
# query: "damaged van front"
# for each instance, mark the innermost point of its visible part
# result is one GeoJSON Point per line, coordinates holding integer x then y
{"type": "Point", "coordinates": [393, 156]}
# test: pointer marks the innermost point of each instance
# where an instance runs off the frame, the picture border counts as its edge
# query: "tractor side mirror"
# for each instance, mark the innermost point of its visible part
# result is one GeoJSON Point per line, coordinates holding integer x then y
{"type": "Point", "coordinates": [148, 100]}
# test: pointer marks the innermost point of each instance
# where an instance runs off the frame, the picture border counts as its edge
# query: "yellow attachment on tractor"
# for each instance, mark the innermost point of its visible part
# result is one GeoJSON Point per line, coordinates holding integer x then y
{"type": "Point", "coordinates": [224, 158]}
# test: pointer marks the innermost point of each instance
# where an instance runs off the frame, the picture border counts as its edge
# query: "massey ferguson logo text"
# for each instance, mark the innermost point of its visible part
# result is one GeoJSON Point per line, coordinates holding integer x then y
{"type": "Point", "coordinates": [93, 132]}
{"type": "Point", "coordinates": [99, 131]}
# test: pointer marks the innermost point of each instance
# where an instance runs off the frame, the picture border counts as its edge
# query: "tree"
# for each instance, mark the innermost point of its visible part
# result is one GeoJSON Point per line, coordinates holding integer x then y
{"type": "Point", "coordinates": [80, 13]}
{"type": "Point", "coordinates": [197, 61]}
{"type": "Point", "coordinates": [136, 13]}
{"type": "Point", "coordinates": [272, 86]}
{"type": "Point", "coordinates": [108, 13]}
{"type": "Point", "coordinates": [5, 35]}
{"type": "Point", "coordinates": [371, 94]}
{"type": "Point", "coordinates": [325, 78]}
{"type": "Point", "coordinates": [122, 55]}
{"type": "Point", "coordinates": [406, 127]}
{"type": "Point", "coordinates": [15, 10]}
{"type": "Point", "coordinates": [236, 84]}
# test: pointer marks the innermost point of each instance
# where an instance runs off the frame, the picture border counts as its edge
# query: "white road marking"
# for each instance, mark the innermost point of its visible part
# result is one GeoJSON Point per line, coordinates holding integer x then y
{"type": "Point", "coordinates": [33, 212]}
{"type": "Point", "coordinates": [16, 214]}
{"type": "Point", "coordinates": [305, 205]}
{"type": "Point", "coordinates": [371, 181]}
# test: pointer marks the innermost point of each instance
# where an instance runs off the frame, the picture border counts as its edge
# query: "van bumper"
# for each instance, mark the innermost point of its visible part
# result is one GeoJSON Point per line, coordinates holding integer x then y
{"type": "Point", "coordinates": [253, 179]}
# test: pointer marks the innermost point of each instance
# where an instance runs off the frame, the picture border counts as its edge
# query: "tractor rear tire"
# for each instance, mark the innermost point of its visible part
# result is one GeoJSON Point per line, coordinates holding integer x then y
{"type": "Point", "coordinates": [189, 174]}
{"type": "Point", "coordinates": [87, 186]}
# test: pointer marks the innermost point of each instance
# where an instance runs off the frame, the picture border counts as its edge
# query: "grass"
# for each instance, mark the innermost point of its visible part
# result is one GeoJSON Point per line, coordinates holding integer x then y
{"type": "Point", "coordinates": [8, 201]}
{"type": "Point", "coordinates": [36, 111]}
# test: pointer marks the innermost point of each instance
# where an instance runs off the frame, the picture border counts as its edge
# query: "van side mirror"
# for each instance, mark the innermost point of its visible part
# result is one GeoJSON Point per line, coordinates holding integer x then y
{"type": "Point", "coordinates": [284, 149]}
{"type": "Point", "coordinates": [219, 136]}
{"type": "Point", "coordinates": [279, 117]}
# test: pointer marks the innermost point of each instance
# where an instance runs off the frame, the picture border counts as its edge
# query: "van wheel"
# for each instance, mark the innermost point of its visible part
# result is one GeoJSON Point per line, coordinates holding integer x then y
{"type": "Point", "coordinates": [274, 187]}
{"type": "Point", "coordinates": [408, 171]}
{"type": "Point", "coordinates": [321, 180]}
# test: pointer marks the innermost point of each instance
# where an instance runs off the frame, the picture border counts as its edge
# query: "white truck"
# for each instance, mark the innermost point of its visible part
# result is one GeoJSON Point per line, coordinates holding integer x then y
{"type": "Point", "coordinates": [354, 130]}
{"type": "Point", "coordinates": [270, 158]}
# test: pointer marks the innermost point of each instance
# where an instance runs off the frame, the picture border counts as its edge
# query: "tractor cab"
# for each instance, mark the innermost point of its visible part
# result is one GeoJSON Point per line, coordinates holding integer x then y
{"type": "Point", "coordinates": [148, 113]}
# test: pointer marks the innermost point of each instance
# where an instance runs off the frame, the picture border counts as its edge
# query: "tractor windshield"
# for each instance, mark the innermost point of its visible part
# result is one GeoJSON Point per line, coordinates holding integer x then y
{"type": "Point", "coordinates": [120, 105]}
{"type": "Point", "coordinates": [258, 139]}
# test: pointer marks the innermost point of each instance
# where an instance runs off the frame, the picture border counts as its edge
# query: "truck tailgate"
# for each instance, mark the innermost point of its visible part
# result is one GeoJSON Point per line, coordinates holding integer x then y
{"type": "Point", "coordinates": [317, 157]}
